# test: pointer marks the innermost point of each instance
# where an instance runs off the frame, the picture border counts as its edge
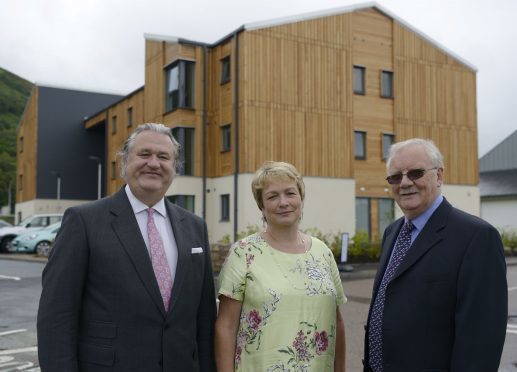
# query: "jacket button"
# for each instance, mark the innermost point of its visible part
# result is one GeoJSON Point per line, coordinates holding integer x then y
{"type": "Point", "coordinates": [167, 326]}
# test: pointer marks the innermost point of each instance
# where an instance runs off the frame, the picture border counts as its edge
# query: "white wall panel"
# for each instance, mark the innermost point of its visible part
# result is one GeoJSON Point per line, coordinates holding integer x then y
{"type": "Point", "coordinates": [500, 213]}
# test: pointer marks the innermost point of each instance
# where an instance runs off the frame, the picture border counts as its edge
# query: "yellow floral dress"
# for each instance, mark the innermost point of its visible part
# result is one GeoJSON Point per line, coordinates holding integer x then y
{"type": "Point", "coordinates": [288, 316]}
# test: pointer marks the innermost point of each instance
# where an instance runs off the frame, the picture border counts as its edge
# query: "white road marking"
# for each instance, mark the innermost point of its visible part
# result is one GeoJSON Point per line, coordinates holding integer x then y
{"type": "Point", "coordinates": [18, 351]}
{"type": "Point", "coordinates": [10, 277]}
{"type": "Point", "coordinates": [20, 366]}
{"type": "Point", "coordinates": [11, 332]}
{"type": "Point", "coordinates": [514, 332]}
{"type": "Point", "coordinates": [512, 289]}
{"type": "Point", "coordinates": [511, 326]}
{"type": "Point", "coordinates": [9, 362]}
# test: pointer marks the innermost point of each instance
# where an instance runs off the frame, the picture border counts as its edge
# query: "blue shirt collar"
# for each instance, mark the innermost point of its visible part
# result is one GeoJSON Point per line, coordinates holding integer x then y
{"type": "Point", "coordinates": [421, 220]}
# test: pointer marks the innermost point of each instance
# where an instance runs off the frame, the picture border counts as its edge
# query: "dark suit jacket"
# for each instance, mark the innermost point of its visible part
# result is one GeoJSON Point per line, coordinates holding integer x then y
{"type": "Point", "coordinates": [101, 309]}
{"type": "Point", "coordinates": [446, 308]}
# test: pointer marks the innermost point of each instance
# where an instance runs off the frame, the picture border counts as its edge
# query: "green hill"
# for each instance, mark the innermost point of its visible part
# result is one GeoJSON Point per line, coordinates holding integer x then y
{"type": "Point", "coordinates": [14, 92]}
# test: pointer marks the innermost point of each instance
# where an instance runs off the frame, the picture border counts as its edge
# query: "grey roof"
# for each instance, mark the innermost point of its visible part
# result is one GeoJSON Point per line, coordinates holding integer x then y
{"type": "Point", "coordinates": [503, 156]}
{"type": "Point", "coordinates": [498, 183]}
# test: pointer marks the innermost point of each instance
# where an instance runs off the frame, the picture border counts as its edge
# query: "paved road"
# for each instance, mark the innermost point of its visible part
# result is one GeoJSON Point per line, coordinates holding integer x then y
{"type": "Point", "coordinates": [20, 286]}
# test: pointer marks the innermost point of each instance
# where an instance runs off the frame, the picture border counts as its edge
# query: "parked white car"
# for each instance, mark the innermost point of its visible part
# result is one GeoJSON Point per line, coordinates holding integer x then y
{"type": "Point", "coordinates": [37, 221]}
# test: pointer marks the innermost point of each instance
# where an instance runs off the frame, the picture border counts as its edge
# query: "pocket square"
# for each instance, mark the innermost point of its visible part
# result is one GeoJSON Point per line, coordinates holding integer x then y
{"type": "Point", "coordinates": [197, 250]}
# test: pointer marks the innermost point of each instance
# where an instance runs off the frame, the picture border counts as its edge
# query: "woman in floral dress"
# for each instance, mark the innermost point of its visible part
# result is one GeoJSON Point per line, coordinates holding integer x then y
{"type": "Point", "coordinates": [280, 289]}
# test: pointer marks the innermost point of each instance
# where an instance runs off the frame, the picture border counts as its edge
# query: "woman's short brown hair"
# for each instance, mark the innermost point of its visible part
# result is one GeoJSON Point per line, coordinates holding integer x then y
{"type": "Point", "coordinates": [275, 170]}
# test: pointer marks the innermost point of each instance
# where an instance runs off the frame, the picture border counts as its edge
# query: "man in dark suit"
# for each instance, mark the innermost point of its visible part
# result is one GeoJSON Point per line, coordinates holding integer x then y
{"type": "Point", "coordinates": [440, 295]}
{"type": "Point", "coordinates": [107, 302]}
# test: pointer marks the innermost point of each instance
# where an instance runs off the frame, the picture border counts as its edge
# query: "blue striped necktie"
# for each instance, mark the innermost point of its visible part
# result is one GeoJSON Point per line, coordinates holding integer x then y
{"type": "Point", "coordinates": [375, 325]}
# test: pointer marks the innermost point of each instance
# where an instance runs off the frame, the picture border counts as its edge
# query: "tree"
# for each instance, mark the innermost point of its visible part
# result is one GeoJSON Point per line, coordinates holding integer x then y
{"type": "Point", "coordinates": [14, 92]}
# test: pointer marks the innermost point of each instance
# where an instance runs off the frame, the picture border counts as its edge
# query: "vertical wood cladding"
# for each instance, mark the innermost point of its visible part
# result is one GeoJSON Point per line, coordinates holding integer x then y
{"type": "Point", "coordinates": [116, 139]}
{"type": "Point", "coordinates": [159, 55]}
{"type": "Point", "coordinates": [436, 98]}
{"type": "Point", "coordinates": [154, 92]}
{"type": "Point", "coordinates": [26, 155]}
{"type": "Point", "coordinates": [372, 49]}
{"type": "Point", "coordinates": [295, 85]}
{"type": "Point", "coordinates": [220, 109]}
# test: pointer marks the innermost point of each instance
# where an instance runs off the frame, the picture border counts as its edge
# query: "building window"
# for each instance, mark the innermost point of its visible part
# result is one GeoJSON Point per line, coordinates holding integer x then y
{"type": "Point", "coordinates": [184, 201]}
{"type": "Point", "coordinates": [226, 137]}
{"type": "Point", "coordinates": [387, 141]}
{"type": "Point", "coordinates": [386, 214]}
{"type": "Point", "coordinates": [362, 215]}
{"type": "Point", "coordinates": [130, 116]}
{"type": "Point", "coordinates": [359, 80]}
{"type": "Point", "coordinates": [114, 124]}
{"type": "Point", "coordinates": [225, 207]}
{"type": "Point", "coordinates": [20, 182]}
{"type": "Point", "coordinates": [179, 85]}
{"type": "Point", "coordinates": [225, 70]}
{"type": "Point", "coordinates": [387, 84]}
{"type": "Point", "coordinates": [185, 137]}
{"type": "Point", "coordinates": [113, 170]}
{"type": "Point", "coordinates": [21, 144]}
{"type": "Point", "coordinates": [360, 145]}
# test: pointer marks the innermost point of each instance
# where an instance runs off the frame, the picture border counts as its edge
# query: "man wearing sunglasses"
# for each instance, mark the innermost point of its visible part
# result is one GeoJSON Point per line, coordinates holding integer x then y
{"type": "Point", "coordinates": [440, 297]}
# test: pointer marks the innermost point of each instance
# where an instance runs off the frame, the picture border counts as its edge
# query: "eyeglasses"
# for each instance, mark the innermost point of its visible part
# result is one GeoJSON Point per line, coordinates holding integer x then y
{"type": "Point", "coordinates": [413, 175]}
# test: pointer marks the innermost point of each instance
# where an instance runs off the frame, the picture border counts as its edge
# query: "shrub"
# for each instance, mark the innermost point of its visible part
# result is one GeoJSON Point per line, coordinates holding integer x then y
{"type": "Point", "coordinates": [333, 241]}
{"type": "Point", "coordinates": [360, 248]}
{"type": "Point", "coordinates": [226, 239]}
{"type": "Point", "coordinates": [509, 238]}
{"type": "Point", "coordinates": [250, 229]}
{"type": "Point", "coordinates": [9, 219]}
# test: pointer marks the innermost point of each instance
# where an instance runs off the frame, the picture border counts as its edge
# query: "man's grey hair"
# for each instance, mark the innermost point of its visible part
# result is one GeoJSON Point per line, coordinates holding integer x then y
{"type": "Point", "coordinates": [430, 148]}
{"type": "Point", "coordinates": [130, 141]}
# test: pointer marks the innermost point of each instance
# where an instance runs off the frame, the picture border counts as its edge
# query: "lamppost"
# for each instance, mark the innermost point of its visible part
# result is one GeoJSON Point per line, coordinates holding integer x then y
{"type": "Point", "coordinates": [9, 201]}
{"type": "Point", "coordinates": [99, 173]}
{"type": "Point", "coordinates": [58, 191]}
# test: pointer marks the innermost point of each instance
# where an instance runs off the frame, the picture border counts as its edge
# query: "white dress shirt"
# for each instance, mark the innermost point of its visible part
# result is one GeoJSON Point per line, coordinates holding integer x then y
{"type": "Point", "coordinates": [163, 224]}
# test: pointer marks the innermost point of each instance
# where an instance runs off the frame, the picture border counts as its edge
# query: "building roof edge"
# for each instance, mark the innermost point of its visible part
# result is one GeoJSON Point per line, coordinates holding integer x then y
{"type": "Point", "coordinates": [351, 8]}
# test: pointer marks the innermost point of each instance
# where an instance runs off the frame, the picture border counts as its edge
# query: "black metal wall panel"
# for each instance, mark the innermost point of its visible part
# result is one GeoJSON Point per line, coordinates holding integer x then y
{"type": "Point", "coordinates": [64, 145]}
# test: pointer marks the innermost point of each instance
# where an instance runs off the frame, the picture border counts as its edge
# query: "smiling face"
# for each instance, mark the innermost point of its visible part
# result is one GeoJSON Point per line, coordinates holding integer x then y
{"type": "Point", "coordinates": [150, 166]}
{"type": "Point", "coordinates": [282, 203]}
{"type": "Point", "coordinates": [415, 197]}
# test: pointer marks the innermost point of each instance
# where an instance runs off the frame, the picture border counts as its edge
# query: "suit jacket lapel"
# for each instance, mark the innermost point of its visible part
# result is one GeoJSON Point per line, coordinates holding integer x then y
{"type": "Point", "coordinates": [182, 243]}
{"type": "Point", "coordinates": [126, 228]}
{"type": "Point", "coordinates": [428, 237]}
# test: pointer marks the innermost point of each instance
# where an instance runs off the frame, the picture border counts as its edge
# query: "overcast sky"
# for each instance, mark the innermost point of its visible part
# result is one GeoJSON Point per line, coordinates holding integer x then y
{"type": "Point", "coordinates": [98, 45]}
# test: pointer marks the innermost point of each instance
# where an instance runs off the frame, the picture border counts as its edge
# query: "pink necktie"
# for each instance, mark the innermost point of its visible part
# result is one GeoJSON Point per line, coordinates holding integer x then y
{"type": "Point", "coordinates": [159, 260]}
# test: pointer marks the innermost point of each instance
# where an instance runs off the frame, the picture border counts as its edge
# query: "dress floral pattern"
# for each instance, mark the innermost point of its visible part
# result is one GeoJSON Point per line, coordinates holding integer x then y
{"type": "Point", "coordinates": [289, 302]}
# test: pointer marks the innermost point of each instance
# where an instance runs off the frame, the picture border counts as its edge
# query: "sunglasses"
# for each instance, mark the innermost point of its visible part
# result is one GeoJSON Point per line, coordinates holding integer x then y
{"type": "Point", "coordinates": [413, 175]}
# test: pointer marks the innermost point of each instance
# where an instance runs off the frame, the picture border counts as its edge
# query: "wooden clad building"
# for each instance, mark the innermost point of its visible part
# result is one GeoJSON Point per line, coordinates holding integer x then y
{"type": "Point", "coordinates": [326, 91]}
